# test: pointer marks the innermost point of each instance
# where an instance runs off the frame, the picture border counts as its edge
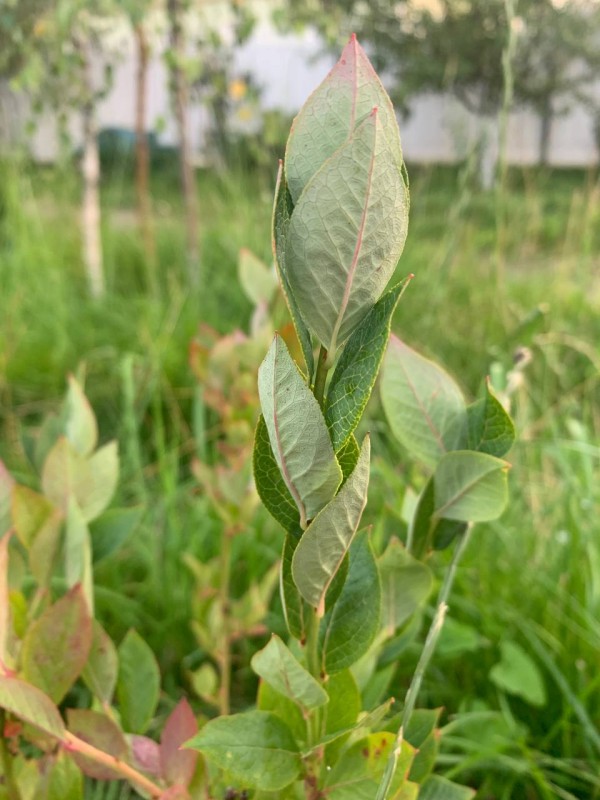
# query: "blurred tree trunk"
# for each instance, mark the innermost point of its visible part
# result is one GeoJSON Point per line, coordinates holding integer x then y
{"type": "Point", "coordinates": [90, 168]}
{"type": "Point", "coordinates": [546, 119]}
{"type": "Point", "coordinates": [142, 152]}
{"type": "Point", "coordinates": [179, 88]}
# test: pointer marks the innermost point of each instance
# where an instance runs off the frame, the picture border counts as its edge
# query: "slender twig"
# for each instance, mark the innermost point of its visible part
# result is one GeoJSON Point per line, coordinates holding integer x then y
{"type": "Point", "coordinates": [74, 744]}
{"type": "Point", "coordinates": [424, 659]}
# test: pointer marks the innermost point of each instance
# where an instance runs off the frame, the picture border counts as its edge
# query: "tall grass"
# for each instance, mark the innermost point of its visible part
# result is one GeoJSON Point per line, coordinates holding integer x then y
{"type": "Point", "coordinates": [533, 578]}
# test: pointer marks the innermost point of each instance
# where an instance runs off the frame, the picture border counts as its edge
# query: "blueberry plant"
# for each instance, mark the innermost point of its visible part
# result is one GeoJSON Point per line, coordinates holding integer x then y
{"type": "Point", "coordinates": [323, 726]}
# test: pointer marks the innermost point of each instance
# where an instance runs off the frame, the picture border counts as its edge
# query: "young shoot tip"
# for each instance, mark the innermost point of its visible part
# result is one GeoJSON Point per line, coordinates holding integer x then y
{"type": "Point", "coordinates": [353, 37]}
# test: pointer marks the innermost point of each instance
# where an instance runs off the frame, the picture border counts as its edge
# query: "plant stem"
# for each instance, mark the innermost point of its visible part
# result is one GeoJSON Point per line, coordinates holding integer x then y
{"type": "Point", "coordinates": [424, 659]}
{"type": "Point", "coordinates": [12, 790]}
{"type": "Point", "coordinates": [225, 646]}
{"type": "Point", "coordinates": [74, 744]}
{"type": "Point", "coordinates": [321, 376]}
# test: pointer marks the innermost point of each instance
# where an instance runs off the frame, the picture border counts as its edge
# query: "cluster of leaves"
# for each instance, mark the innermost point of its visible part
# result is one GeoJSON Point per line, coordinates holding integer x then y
{"type": "Point", "coordinates": [323, 722]}
{"type": "Point", "coordinates": [53, 652]}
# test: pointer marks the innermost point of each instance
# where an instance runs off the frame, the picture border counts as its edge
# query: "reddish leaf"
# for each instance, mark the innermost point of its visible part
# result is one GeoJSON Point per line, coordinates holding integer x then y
{"type": "Point", "coordinates": [145, 754]}
{"type": "Point", "coordinates": [176, 765]}
{"type": "Point", "coordinates": [4, 599]}
{"type": "Point", "coordinates": [57, 645]}
{"type": "Point", "coordinates": [101, 732]}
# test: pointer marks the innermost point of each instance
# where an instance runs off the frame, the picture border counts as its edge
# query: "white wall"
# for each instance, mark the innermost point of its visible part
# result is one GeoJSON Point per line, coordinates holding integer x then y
{"type": "Point", "coordinates": [287, 68]}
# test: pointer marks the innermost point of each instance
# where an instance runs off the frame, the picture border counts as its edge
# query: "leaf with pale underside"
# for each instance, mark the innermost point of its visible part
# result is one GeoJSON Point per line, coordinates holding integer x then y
{"type": "Point", "coordinates": [277, 665]}
{"type": "Point", "coordinates": [470, 487]}
{"type": "Point", "coordinates": [291, 599]}
{"type": "Point", "coordinates": [282, 214]}
{"type": "Point", "coordinates": [257, 280]}
{"type": "Point", "coordinates": [356, 371]}
{"type": "Point", "coordinates": [80, 426]}
{"type": "Point", "coordinates": [346, 235]}
{"type": "Point", "coordinates": [323, 546]}
{"type": "Point", "coordinates": [424, 406]}
{"type": "Point", "coordinates": [331, 113]}
{"type": "Point", "coordinates": [270, 485]}
{"type": "Point", "coordinates": [297, 432]}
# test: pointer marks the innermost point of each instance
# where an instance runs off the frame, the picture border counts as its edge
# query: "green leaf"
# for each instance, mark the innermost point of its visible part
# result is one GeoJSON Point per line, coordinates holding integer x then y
{"type": "Point", "coordinates": [65, 781]}
{"type": "Point", "coordinates": [287, 710]}
{"type": "Point", "coordinates": [346, 234]}
{"type": "Point", "coordinates": [427, 531]}
{"type": "Point", "coordinates": [291, 599]}
{"type": "Point", "coordinates": [257, 280]}
{"type": "Point", "coordinates": [356, 371]}
{"type": "Point", "coordinates": [352, 624]}
{"type": "Point", "coordinates": [347, 457]}
{"type": "Point", "coordinates": [270, 485]}
{"type": "Point", "coordinates": [490, 428]}
{"type": "Point", "coordinates": [323, 546]}
{"type": "Point", "coordinates": [78, 552]}
{"type": "Point", "coordinates": [518, 674]}
{"type": "Point", "coordinates": [423, 405]}
{"type": "Point", "coordinates": [421, 733]}
{"type": "Point", "coordinates": [357, 774]}
{"type": "Point", "coordinates": [109, 531]}
{"type": "Point", "coordinates": [80, 425]}
{"type": "Point", "coordinates": [405, 585]}
{"type": "Point", "coordinates": [329, 117]}
{"type": "Point", "coordinates": [30, 512]}
{"type": "Point", "coordinates": [138, 683]}
{"type": "Point", "coordinates": [470, 487]}
{"type": "Point", "coordinates": [297, 432]}
{"type": "Point", "coordinates": [101, 732]}
{"type": "Point", "coordinates": [344, 702]}
{"type": "Point", "coordinates": [57, 645]}
{"type": "Point", "coordinates": [278, 666]}
{"type": "Point", "coordinates": [282, 214]}
{"type": "Point", "coordinates": [100, 672]}
{"type": "Point", "coordinates": [6, 489]}
{"type": "Point", "coordinates": [90, 481]}
{"type": "Point", "coordinates": [256, 747]}
{"type": "Point", "coordinates": [438, 788]}
{"type": "Point", "coordinates": [31, 705]}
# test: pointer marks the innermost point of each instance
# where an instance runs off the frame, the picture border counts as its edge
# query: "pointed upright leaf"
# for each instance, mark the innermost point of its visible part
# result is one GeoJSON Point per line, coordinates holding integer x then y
{"type": "Point", "coordinates": [270, 485]}
{"type": "Point", "coordinates": [357, 369]}
{"type": "Point", "coordinates": [138, 683]}
{"type": "Point", "coordinates": [297, 432]}
{"type": "Point", "coordinates": [350, 627]}
{"type": "Point", "coordinates": [346, 235]}
{"type": "Point", "coordinates": [30, 511]}
{"type": "Point", "coordinates": [80, 424]}
{"type": "Point", "coordinates": [470, 487]}
{"type": "Point", "coordinates": [178, 765]}
{"type": "Point", "coordinates": [323, 546]}
{"type": "Point", "coordinates": [257, 747]}
{"type": "Point", "coordinates": [257, 280]}
{"type": "Point", "coordinates": [282, 214]}
{"type": "Point", "coordinates": [331, 113]}
{"type": "Point", "coordinates": [424, 406]}
{"type": "Point", "coordinates": [57, 645]}
{"type": "Point", "coordinates": [78, 552]}
{"type": "Point", "coordinates": [100, 672]}
{"type": "Point", "coordinates": [490, 428]}
{"type": "Point", "coordinates": [276, 664]}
